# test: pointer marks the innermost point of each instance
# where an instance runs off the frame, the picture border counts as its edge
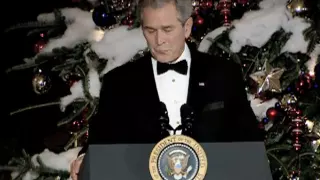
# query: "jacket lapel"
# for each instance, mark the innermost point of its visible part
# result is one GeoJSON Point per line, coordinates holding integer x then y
{"type": "Point", "coordinates": [197, 81]}
{"type": "Point", "coordinates": [147, 80]}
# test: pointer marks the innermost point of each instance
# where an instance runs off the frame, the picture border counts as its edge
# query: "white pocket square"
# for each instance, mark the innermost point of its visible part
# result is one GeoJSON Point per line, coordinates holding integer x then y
{"type": "Point", "coordinates": [214, 106]}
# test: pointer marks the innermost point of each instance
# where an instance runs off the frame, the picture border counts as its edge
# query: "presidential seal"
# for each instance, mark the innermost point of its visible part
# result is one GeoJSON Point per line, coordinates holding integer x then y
{"type": "Point", "coordinates": [178, 157]}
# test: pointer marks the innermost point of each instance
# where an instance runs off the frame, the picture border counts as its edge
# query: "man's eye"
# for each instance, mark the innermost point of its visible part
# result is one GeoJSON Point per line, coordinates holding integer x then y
{"type": "Point", "coordinates": [167, 29]}
{"type": "Point", "coordinates": [151, 30]}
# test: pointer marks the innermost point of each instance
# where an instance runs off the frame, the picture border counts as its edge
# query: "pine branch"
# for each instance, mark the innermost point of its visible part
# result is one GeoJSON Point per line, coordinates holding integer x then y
{"type": "Point", "coordinates": [9, 168]}
{"type": "Point", "coordinates": [311, 35]}
{"type": "Point", "coordinates": [254, 61]}
{"type": "Point", "coordinates": [72, 116]}
{"type": "Point", "coordinates": [283, 167]}
{"type": "Point", "coordinates": [93, 108]}
{"type": "Point", "coordinates": [32, 25]}
{"type": "Point", "coordinates": [311, 154]}
{"type": "Point", "coordinates": [44, 170]}
{"type": "Point", "coordinates": [23, 66]}
{"type": "Point", "coordinates": [76, 136]}
{"type": "Point", "coordinates": [24, 164]}
{"type": "Point", "coordinates": [34, 107]}
{"type": "Point", "coordinates": [38, 31]}
{"type": "Point", "coordinates": [140, 54]}
{"type": "Point", "coordinates": [58, 55]}
{"type": "Point", "coordinates": [59, 18]}
{"type": "Point", "coordinates": [275, 45]}
{"type": "Point", "coordinates": [96, 62]}
{"type": "Point", "coordinates": [68, 64]}
{"type": "Point", "coordinates": [85, 129]}
{"type": "Point", "coordinates": [314, 40]}
{"type": "Point", "coordinates": [86, 86]}
{"type": "Point", "coordinates": [220, 36]}
{"type": "Point", "coordinates": [279, 148]}
{"type": "Point", "coordinates": [58, 23]}
{"type": "Point", "coordinates": [290, 57]}
{"type": "Point", "coordinates": [234, 56]}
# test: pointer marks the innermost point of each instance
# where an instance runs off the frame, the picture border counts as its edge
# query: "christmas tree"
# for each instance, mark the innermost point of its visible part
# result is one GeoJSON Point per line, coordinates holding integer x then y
{"type": "Point", "coordinates": [277, 42]}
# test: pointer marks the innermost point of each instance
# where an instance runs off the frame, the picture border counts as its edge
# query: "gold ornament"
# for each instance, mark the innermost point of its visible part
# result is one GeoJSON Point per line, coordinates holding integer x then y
{"type": "Point", "coordinates": [296, 7]}
{"type": "Point", "coordinates": [315, 145]}
{"type": "Point", "coordinates": [268, 78]}
{"type": "Point", "coordinates": [41, 83]}
{"type": "Point", "coordinates": [316, 128]}
{"type": "Point", "coordinates": [309, 125]}
{"type": "Point", "coordinates": [288, 99]}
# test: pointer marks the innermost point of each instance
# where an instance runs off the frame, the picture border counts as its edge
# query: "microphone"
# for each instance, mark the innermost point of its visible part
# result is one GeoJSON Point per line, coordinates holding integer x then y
{"type": "Point", "coordinates": [187, 119]}
{"type": "Point", "coordinates": [164, 120]}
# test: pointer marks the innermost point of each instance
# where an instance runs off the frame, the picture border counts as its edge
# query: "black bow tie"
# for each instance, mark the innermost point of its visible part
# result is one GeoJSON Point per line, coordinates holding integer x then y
{"type": "Point", "coordinates": [180, 67]}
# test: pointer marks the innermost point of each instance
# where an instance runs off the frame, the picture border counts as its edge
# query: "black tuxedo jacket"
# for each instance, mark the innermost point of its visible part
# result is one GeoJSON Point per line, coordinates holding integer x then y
{"type": "Point", "coordinates": [129, 103]}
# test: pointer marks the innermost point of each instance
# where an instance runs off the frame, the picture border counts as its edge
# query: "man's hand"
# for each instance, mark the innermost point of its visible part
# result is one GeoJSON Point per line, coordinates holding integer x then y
{"type": "Point", "coordinates": [75, 166]}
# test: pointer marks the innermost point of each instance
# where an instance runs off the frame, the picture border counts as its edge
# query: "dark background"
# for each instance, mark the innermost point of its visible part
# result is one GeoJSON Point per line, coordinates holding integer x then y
{"type": "Point", "coordinates": [33, 130]}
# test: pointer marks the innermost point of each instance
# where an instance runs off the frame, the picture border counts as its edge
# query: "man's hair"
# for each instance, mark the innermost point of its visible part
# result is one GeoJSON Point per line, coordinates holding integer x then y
{"type": "Point", "coordinates": [184, 7]}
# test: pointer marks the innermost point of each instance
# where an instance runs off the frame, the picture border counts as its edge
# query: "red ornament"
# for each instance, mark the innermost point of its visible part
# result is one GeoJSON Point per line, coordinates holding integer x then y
{"type": "Point", "coordinates": [38, 46]}
{"type": "Point", "coordinates": [224, 7]}
{"type": "Point", "coordinates": [199, 20]}
{"type": "Point", "coordinates": [295, 174]}
{"type": "Point", "coordinates": [261, 125]}
{"type": "Point", "coordinates": [80, 122]}
{"type": "Point", "coordinates": [209, 4]}
{"type": "Point", "coordinates": [299, 113]}
{"type": "Point", "coordinates": [242, 1]}
{"type": "Point", "coordinates": [75, 126]}
{"type": "Point", "coordinates": [202, 4]}
{"type": "Point", "coordinates": [297, 132]}
{"type": "Point", "coordinates": [272, 113]}
{"type": "Point", "coordinates": [293, 112]}
{"type": "Point", "coordinates": [86, 135]}
{"type": "Point", "coordinates": [304, 83]}
{"type": "Point", "coordinates": [297, 146]}
{"type": "Point", "coordinates": [196, 11]}
{"type": "Point", "coordinates": [298, 122]}
{"type": "Point", "coordinates": [128, 21]}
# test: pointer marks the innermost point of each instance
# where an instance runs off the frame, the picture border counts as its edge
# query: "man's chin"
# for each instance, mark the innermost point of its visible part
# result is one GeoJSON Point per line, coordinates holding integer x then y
{"type": "Point", "coordinates": [163, 58]}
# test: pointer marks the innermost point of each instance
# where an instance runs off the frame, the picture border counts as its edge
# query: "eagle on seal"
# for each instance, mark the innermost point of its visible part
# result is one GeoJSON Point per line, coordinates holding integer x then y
{"type": "Point", "coordinates": [178, 164]}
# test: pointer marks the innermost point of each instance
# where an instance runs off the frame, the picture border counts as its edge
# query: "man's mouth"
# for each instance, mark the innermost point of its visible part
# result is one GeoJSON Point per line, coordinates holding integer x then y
{"type": "Point", "coordinates": [162, 51]}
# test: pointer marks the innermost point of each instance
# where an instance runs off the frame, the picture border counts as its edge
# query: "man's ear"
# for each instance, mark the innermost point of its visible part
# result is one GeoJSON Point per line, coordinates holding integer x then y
{"type": "Point", "coordinates": [188, 27]}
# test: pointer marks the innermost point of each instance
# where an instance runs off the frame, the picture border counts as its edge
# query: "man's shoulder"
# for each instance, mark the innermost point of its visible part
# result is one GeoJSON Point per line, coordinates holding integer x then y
{"type": "Point", "coordinates": [216, 62]}
{"type": "Point", "coordinates": [127, 70]}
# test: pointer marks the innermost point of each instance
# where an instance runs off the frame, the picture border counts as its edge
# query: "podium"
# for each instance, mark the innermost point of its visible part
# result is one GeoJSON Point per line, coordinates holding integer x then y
{"type": "Point", "coordinates": [225, 161]}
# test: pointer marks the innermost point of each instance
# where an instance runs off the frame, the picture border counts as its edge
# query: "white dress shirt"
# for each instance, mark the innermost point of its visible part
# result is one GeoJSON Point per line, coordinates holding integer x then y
{"type": "Point", "coordinates": [173, 88]}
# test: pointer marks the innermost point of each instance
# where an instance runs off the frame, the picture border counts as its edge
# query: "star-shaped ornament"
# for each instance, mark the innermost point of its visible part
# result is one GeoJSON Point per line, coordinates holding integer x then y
{"type": "Point", "coordinates": [268, 78]}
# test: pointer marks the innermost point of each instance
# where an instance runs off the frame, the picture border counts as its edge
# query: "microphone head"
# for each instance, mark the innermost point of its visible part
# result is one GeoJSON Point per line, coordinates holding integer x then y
{"type": "Point", "coordinates": [163, 113]}
{"type": "Point", "coordinates": [186, 112]}
{"type": "Point", "coordinates": [164, 119]}
{"type": "Point", "coordinates": [163, 108]}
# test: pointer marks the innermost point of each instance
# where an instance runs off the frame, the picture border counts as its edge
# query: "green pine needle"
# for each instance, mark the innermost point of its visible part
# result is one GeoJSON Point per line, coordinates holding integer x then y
{"type": "Point", "coordinates": [24, 164]}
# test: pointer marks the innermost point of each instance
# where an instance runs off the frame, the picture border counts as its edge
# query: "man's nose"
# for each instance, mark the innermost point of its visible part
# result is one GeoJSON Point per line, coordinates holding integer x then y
{"type": "Point", "coordinates": [159, 38]}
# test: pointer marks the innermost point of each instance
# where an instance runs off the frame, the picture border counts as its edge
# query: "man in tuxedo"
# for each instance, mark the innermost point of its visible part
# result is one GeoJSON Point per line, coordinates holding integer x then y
{"type": "Point", "coordinates": [174, 73]}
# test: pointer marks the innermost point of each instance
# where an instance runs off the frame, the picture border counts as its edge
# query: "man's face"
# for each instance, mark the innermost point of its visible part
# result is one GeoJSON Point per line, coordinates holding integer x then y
{"type": "Point", "coordinates": [164, 33]}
